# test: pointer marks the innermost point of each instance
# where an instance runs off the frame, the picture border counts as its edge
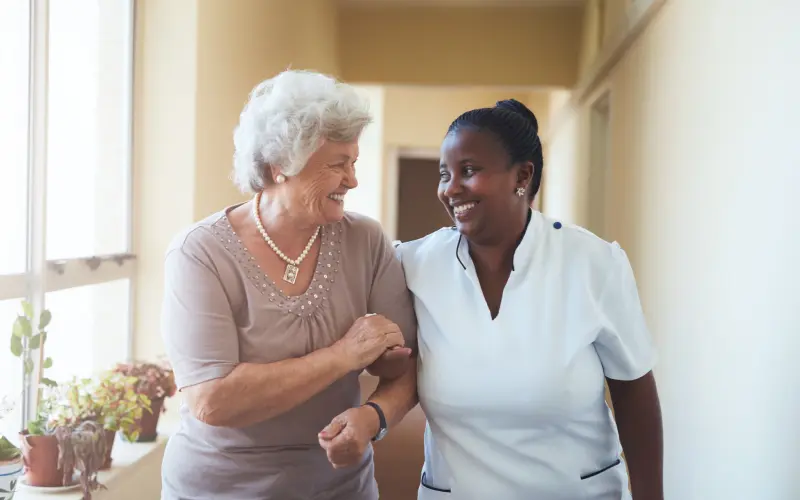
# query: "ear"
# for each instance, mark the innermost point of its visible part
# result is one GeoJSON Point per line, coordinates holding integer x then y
{"type": "Point", "coordinates": [524, 174]}
{"type": "Point", "coordinates": [275, 174]}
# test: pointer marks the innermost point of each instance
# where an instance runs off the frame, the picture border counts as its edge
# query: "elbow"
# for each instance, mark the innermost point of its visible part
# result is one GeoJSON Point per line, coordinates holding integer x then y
{"type": "Point", "coordinates": [210, 414]}
{"type": "Point", "coordinates": [206, 404]}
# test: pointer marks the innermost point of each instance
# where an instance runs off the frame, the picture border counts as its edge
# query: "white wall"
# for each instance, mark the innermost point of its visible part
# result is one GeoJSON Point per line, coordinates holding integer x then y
{"type": "Point", "coordinates": [706, 197]}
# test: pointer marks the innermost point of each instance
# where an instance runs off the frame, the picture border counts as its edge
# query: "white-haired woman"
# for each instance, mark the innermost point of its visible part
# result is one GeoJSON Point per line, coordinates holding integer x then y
{"type": "Point", "coordinates": [273, 307]}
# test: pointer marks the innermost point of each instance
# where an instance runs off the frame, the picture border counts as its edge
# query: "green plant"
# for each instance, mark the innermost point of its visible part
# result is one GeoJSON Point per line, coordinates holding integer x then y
{"type": "Point", "coordinates": [24, 341]}
{"type": "Point", "coordinates": [119, 405]}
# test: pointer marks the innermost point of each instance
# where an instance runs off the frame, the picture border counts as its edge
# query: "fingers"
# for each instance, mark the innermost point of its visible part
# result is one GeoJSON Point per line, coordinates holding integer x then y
{"type": "Point", "coordinates": [396, 353]}
{"type": "Point", "coordinates": [395, 337]}
{"type": "Point", "coordinates": [343, 450]}
{"type": "Point", "coordinates": [333, 429]}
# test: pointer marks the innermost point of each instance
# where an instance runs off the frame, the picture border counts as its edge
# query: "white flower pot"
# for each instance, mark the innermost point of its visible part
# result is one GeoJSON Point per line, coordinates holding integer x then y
{"type": "Point", "coordinates": [10, 473]}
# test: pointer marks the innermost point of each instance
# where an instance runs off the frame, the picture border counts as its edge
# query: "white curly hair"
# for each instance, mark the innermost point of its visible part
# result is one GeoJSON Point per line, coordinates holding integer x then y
{"type": "Point", "coordinates": [287, 118]}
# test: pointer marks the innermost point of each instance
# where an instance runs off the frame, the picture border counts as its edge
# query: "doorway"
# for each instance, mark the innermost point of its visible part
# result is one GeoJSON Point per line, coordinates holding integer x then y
{"type": "Point", "coordinates": [419, 211]}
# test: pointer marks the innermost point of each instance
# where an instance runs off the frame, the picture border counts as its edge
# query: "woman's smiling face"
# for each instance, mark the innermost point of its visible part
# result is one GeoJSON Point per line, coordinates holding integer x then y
{"type": "Point", "coordinates": [477, 184]}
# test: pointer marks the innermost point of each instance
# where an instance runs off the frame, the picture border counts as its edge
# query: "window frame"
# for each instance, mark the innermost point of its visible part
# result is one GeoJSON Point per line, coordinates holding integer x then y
{"type": "Point", "coordinates": [41, 275]}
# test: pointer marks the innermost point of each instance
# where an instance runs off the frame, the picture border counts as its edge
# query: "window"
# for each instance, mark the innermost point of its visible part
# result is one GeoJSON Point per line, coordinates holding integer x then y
{"type": "Point", "coordinates": [65, 187]}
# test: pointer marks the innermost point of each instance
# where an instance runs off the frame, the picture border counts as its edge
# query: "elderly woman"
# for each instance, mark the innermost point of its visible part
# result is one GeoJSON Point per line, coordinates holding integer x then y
{"type": "Point", "coordinates": [273, 308]}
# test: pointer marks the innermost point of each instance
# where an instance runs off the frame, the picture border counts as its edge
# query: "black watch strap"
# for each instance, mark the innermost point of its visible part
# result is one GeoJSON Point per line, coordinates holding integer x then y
{"type": "Point", "coordinates": [381, 419]}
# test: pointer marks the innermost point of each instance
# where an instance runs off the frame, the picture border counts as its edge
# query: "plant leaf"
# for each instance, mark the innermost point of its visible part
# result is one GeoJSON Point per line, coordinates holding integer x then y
{"type": "Point", "coordinates": [16, 346]}
{"type": "Point", "coordinates": [49, 382]}
{"type": "Point", "coordinates": [35, 341]}
{"type": "Point", "coordinates": [27, 308]}
{"type": "Point", "coordinates": [44, 319]}
{"type": "Point", "coordinates": [28, 366]}
{"type": "Point", "coordinates": [17, 329]}
{"type": "Point", "coordinates": [48, 362]}
{"type": "Point", "coordinates": [22, 327]}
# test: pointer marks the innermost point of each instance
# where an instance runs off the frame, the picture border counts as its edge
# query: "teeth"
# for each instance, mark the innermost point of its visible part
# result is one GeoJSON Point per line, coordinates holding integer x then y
{"type": "Point", "coordinates": [460, 209]}
{"type": "Point", "coordinates": [337, 197]}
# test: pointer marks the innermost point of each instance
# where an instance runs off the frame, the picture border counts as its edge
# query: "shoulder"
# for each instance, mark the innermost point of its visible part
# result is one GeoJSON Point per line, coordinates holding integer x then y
{"type": "Point", "coordinates": [428, 247]}
{"type": "Point", "coordinates": [578, 246]}
{"type": "Point", "coordinates": [200, 239]}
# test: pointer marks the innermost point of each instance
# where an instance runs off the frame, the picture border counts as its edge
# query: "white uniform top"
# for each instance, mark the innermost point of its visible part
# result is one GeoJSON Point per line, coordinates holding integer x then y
{"type": "Point", "coordinates": [515, 405]}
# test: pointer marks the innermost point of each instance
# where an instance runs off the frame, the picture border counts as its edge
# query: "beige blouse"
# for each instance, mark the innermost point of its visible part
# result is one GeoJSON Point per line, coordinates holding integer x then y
{"type": "Point", "coordinates": [220, 309]}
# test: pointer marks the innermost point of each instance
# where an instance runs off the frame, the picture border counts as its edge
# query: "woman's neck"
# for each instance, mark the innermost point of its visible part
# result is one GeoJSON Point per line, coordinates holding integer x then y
{"type": "Point", "coordinates": [283, 224]}
{"type": "Point", "coordinates": [498, 254]}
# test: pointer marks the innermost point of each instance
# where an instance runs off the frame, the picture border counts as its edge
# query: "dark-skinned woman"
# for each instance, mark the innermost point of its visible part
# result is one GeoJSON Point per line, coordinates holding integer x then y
{"type": "Point", "coordinates": [522, 319]}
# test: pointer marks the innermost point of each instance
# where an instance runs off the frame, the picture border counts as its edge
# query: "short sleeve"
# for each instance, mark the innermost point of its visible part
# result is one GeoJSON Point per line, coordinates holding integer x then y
{"type": "Point", "coordinates": [197, 324]}
{"type": "Point", "coordinates": [389, 295]}
{"type": "Point", "coordinates": [624, 344]}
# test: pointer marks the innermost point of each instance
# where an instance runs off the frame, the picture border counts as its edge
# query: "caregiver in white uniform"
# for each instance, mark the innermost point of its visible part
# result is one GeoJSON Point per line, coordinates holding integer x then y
{"type": "Point", "coordinates": [521, 321]}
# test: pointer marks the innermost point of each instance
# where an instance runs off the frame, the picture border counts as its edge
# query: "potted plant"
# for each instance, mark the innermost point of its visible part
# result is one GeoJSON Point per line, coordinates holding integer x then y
{"type": "Point", "coordinates": [156, 382]}
{"type": "Point", "coordinates": [120, 408]}
{"type": "Point", "coordinates": [11, 465]}
{"type": "Point", "coordinates": [54, 443]}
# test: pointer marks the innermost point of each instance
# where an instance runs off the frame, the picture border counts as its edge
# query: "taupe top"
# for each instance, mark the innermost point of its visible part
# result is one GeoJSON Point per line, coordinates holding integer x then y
{"type": "Point", "coordinates": [220, 309]}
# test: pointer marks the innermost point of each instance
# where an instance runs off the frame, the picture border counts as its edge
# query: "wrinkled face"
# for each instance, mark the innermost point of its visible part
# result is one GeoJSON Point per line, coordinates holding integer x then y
{"type": "Point", "coordinates": [319, 189]}
{"type": "Point", "coordinates": [477, 185]}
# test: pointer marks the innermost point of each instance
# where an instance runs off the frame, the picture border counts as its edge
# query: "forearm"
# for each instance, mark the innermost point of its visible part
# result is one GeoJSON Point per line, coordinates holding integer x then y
{"type": "Point", "coordinates": [638, 414]}
{"type": "Point", "coordinates": [254, 392]}
{"type": "Point", "coordinates": [397, 396]}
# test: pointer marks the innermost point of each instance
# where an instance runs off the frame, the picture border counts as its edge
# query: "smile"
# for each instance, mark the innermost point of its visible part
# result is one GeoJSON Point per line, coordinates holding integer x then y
{"type": "Point", "coordinates": [463, 209]}
{"type": "Point", "coordinates": [336, 197]}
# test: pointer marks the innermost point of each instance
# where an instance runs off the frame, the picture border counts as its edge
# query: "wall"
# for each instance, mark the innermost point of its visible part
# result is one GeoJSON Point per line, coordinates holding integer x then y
{"type": "Point", "coordinates": [704, 162]}
{"type": "Point", "coordinates": [460, 45]}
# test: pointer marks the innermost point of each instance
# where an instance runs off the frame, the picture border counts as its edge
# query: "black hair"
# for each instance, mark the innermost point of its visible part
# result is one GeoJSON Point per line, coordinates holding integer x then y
{"type": "Point", "coordinates": [517, 129]}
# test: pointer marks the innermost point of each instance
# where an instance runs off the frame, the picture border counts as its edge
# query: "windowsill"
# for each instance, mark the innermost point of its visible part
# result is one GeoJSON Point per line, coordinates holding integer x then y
{"type": "Point", "coordinates": [135, 468]}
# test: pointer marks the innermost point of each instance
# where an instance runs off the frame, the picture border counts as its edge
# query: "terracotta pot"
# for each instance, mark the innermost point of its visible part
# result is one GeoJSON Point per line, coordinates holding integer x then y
{"type": "Point", "coordinates": [40, 456]}
{"type": "Point", "coordinates": [110, 437]}
{"type": "Point", "coordinates": [149, 421]}
{"type": "Point", "coordinates": [10, 472]}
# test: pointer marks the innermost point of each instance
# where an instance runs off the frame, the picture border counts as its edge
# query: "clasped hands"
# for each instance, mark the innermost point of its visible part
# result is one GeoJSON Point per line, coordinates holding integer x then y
{"type": "Point", "coordinates": [372, 341]}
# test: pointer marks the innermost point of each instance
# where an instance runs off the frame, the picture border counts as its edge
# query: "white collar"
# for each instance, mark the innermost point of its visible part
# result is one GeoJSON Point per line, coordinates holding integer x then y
{"type": "Point", "coordinates": [522, 255]}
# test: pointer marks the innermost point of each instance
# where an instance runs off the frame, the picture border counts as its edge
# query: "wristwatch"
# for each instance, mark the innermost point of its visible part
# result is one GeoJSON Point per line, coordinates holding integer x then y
{"type": "Point", "coordinates": [381, 418]}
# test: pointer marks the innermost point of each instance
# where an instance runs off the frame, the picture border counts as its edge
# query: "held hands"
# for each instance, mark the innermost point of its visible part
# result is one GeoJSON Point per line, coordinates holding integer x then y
{"type": "Point", "coordinates": [371, 337]}
{"type": "Point", "coordinates": [346, 438]}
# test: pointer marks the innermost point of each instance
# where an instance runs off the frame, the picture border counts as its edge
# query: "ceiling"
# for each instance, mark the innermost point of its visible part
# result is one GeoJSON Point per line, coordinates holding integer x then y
{"type": "Point", "coordinates": [473, 3]}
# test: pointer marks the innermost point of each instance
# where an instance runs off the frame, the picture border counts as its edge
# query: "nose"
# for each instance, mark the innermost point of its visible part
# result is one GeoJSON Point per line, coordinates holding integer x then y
{"type": "Point", "coordinates": [452, 188]}
{"type": "Point", "coordinates": [350, 181]}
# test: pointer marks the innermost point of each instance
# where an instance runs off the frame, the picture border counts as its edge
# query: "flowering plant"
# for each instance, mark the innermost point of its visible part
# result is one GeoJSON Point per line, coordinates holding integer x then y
{"type": "Point", "coordinates": [154, 380]}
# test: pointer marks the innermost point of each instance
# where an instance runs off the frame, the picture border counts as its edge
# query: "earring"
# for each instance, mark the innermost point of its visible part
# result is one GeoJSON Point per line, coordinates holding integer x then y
{"type": "Point", "coordinates": [280, 178]}
{"type": "Point", "coordinates": [520, 192]}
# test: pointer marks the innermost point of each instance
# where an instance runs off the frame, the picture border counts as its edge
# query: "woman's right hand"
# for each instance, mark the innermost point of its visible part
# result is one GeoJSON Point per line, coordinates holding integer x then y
{"type": "Point", "coordinates": [368, 338]}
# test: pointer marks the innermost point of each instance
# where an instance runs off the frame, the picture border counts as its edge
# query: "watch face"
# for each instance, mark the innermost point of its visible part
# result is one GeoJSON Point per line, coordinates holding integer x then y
{"type": "Point", "coordinates": [380, 434]}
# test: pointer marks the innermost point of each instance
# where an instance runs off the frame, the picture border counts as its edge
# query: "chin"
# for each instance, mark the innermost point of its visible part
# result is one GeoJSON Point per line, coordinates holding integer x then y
{"type": "Point", "coordinates": [331, 214]}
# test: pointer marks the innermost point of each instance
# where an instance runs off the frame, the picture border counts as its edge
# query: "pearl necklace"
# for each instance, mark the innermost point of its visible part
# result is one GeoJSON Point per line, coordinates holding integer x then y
{"type": "Point", "coordinates": [292, 266]}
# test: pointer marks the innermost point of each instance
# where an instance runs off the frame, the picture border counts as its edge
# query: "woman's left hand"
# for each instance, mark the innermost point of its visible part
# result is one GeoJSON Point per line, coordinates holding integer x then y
{"type": "Point", "coordinates": [346, 438]}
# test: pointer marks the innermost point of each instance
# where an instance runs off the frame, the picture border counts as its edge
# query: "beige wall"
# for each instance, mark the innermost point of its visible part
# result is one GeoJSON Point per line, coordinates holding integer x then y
{"type": "Point", "coordinates": [704, 196]}
{"type": "Point", "coordinates": [460, 45]}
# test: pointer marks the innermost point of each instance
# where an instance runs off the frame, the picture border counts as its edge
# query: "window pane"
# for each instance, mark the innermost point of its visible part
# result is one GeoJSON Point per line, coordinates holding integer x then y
{"type": "Point", "coordinates": [88, 94]}
{"type": "Point", "coordinates": [10, 372]}
{"type": "Point", "coordinates": [89, 329]}
{"type": "Point", "coordinates": [14, 51]}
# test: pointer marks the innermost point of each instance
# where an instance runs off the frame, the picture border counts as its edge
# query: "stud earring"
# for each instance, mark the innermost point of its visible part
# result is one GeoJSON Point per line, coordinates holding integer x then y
{"type": "Point", "coordinates": [520, 192]}
{"type": "Point", "coordinates": [280, 178]}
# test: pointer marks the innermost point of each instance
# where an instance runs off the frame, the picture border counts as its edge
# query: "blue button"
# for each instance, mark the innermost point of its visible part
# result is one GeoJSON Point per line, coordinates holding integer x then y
{"type": "Point", "coordinates": [557, 225]}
